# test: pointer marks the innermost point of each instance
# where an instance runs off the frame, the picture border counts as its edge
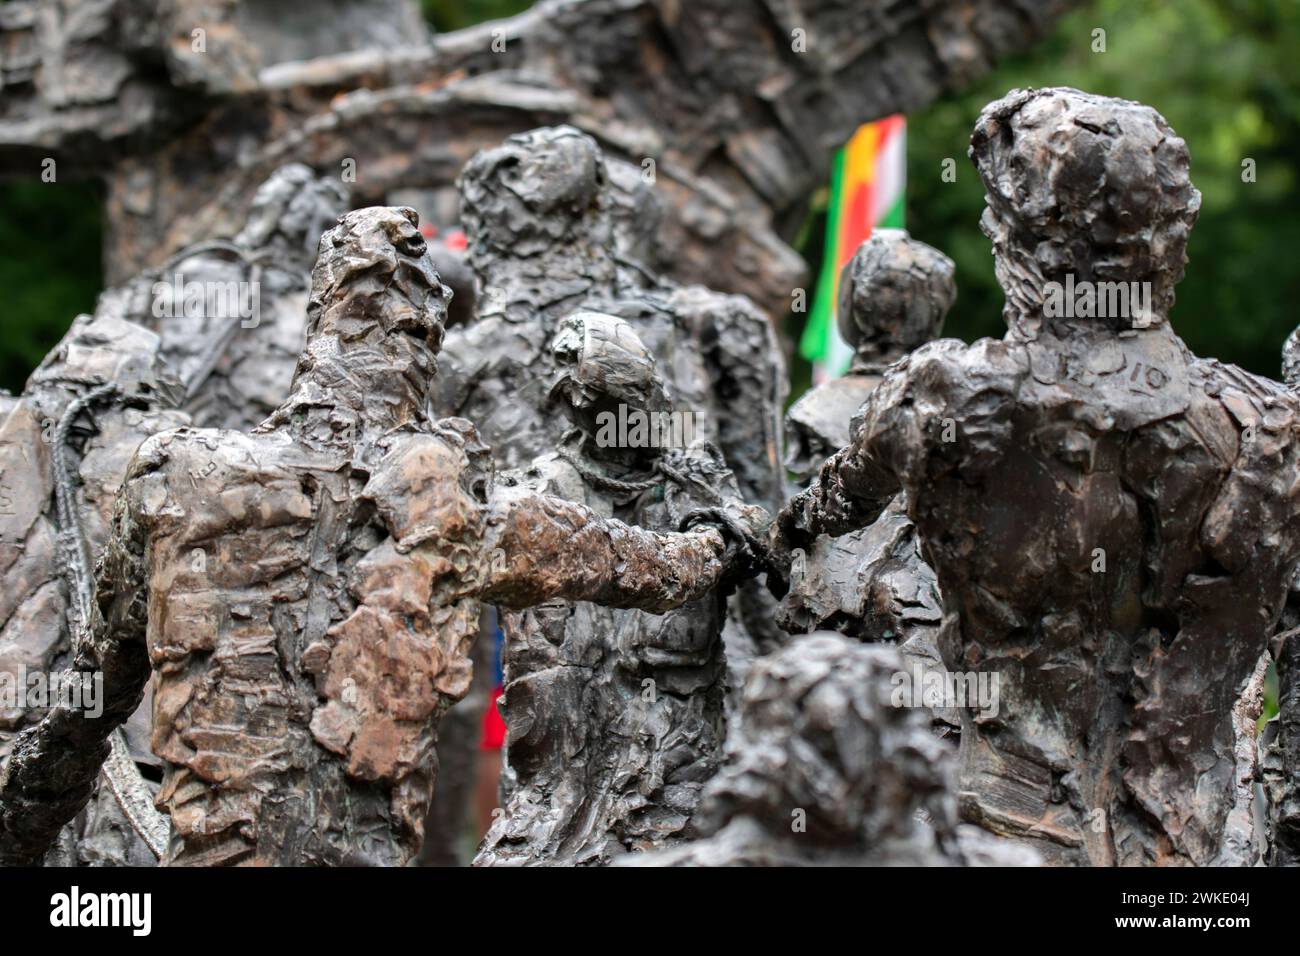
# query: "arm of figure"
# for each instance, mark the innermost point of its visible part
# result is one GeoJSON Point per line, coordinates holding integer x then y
{"type": "Point", "coordinates": [545, 549]}
{"type": "Point", "coordinates": [855, 484]}
{"type": "Point", "coordinates": [849, 493]}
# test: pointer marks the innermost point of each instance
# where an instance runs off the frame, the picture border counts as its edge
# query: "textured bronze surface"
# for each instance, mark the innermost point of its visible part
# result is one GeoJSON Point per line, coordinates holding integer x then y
{"type": "Point", "coordinates": [1113, 527]}
{"type": "Point", "coordinates": [308, 591]}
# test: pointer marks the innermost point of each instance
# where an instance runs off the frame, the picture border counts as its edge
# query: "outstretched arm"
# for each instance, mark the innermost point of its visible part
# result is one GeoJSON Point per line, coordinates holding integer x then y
{"type": "Point", "coordinates": [850, 491]}
{"type": "Point", "coordinates": [545, 549]}
{"type": "Point", "coordinates": [855, 484]}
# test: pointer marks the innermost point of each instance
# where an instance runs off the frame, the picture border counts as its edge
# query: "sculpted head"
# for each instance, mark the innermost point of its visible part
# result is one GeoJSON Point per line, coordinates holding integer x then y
{"type": "Point", "coordinates": [377, 308]}
{"type": "Point", "coordinates": [537, 189]}
{"type": "Point", "coordinates": [603, 365]}
{"type": "Point", "coordinates": [817, 730]}
{"type": "Point", "coordinates": [1082, 188]}
{"type": "Point", "coordinates": [894, 295]}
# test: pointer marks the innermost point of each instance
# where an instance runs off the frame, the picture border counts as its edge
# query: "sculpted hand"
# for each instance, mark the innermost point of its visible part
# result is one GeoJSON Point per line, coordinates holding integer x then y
{"type": "Point", "coordinates": [743, 528]}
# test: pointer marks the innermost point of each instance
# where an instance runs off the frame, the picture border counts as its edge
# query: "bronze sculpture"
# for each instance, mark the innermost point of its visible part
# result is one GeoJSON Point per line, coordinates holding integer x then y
{"type": "Point", "coordinates": [615, 717]}
{"type": "Point", "coordinates": [1121, 654]}
{"type": "Point", "coordinates": [307, 592]}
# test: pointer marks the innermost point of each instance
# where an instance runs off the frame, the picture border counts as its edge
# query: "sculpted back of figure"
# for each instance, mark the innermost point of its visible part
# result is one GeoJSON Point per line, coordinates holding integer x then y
{"type": "Point", "coordinates": [1111, 519]}
{"type": "Point", "coordinates": [209, 337]}
{"type": "Point", "coordinates": [871, 584]}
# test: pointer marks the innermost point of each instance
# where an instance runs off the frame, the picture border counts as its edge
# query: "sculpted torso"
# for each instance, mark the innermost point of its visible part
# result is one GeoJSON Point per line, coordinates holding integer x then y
{"type": "Point", "coordinates": [1111, 520]}
{"type": "Point", "coordinates": [615, 716]}
{"type": "Point", "coordinates": [262, 611]}
{"type": "Point", "coordinates": [1110, 515]}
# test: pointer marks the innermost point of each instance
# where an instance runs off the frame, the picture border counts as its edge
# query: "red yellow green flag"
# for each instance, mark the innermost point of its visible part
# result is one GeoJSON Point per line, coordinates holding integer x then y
{"type": "Point", "coordinates": [868, 182]}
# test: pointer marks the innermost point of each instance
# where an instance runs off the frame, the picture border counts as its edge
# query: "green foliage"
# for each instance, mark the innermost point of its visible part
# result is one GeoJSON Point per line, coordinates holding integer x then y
{"type": "Point", "coordinates": [448, 15]}
{"type": "Point", "coordinates": [1225, 76]}
{"type": "Point", "coordinates": [50, 268]}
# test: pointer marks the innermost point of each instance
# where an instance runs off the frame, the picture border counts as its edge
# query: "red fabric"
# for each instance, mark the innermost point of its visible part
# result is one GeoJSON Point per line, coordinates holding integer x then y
{"type": "Point", "coordinates": [855, 227]}
{"type": "Point", "coordinates": [494, 728]}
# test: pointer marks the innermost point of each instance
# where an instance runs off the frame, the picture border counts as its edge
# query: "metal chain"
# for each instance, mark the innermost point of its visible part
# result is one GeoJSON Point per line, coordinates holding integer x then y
{"type": "Point", "coordinates": [72, 539]}
{"type": "Point", "coordinates": [120, 773]}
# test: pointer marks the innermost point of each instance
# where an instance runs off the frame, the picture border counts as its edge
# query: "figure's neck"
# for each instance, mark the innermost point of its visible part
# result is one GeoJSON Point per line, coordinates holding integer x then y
{"type": "Point", "coordinates": [1032, 324]}
{"type": "Point", "coordinates": [361, 392]}
{"type": "Point", "coordinates": [872, 359]}
{"type": "Point", "coordinates": [1074, 301]}
{"type": "Point", "coordinates": [545, 285]}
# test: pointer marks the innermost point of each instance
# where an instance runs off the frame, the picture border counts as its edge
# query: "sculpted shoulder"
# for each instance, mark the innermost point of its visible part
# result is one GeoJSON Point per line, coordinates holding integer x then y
{"type": "Point", "coordinates": [946, 376]}
{"type": "Point", "coordinates": [948, 361]}
{"type": "Point", "coordinates": [1223, 381]}
{"type": "Point", "coordinates": [432, 484]}
{"type": "Point", "coordinates": [1112, 382]}
{"type": "Point", "coordinates": [205, 453]}
{"type": "Point", "coordinates": [202, 482]}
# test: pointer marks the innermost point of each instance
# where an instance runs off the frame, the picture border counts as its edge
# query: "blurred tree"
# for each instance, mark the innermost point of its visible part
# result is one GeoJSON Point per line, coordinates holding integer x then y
{"type": "Point", "coordinates": [448, 15]}
{"type": "Point", "coordinates": [49, 268]}
{"type": "Point", "coordinates": [1225, 75]}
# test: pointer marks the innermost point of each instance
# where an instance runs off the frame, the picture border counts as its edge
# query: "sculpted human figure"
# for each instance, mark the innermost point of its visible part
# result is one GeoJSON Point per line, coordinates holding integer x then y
{"type": "Point", "coordinates": [212, 336]}
{"type": "Point", "coordinates": [823, 769]}
{"type": "Point", "coordinates": [552, 230]}
{"type": "Point", "coordinates": [894, 295]}
{"type": "Point", "coordinates": [64, 447]}
{"type": "Point", "coordinates": [306, 593]}
{"type": "Point", "coordinates": [1280, 743]}
{"type": "Point", "coordinates": [1113, 526]}
{"type": "Point", "coordinates": [871, 584]}
{"type": "Point", "coordinates": [615, 717]}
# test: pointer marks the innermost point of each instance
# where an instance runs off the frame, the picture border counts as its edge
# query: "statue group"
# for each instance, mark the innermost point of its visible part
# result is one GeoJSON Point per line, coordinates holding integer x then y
{"type": "Point", "coordinates": [1005, 602]}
